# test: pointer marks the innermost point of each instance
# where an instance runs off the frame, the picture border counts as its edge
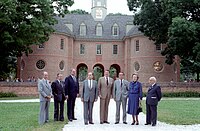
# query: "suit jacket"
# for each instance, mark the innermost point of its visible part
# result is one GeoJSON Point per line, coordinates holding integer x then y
{"type": "Point", "coordinates": [154, 95]}
{"type": "Point", "coordinates": [119, 91]}
{"type": "Point", "coordinates": [44, 90]}
{"type": "Point", "coordinates": [89, 93]}
{"type": "Point", "coordinates": [58, 90]}
{"type": "Point", "coordinates": [71, 87]}
{"type": "Point", "coordinates": [105, 89]}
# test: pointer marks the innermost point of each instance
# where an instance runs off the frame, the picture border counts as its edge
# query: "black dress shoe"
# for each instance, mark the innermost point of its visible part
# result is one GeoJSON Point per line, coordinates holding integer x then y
{"type": "Point", "coordinates": [133, 123]}
{"type": "Point", "coordinates": [86, 123]}
{"type": "Point", "coordinates": [106, 122]}
{"type": "Point", "coordinates": [91, 123]}
{"type": "Point", "coordinates": [125, 122]}
{"type": "Point", "coordinates": [116, 122]}
{"type": "Point", "coordinates": [147, 124]}
{"type": "Point", "coordinates": [74, 118]}
{"type": "Point", "coordinates": [61, 119]}
{"type": "Point", "coordinates": [70, 120]}
{"type": "Point", "coordinates": [55, 119]}
{"type": "Point", "coordinates": [46, 121]}
{"type": "Point", "coordinates": [153, 124]}
{"type": "Point", "coordinates": [101, 122]}
{"type": "Point", "coordinates": [137, 123]}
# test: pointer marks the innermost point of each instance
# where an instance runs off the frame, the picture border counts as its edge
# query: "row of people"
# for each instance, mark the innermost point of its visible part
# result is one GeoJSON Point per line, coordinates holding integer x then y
{"type": "Point", "coordinates": [106, 87]}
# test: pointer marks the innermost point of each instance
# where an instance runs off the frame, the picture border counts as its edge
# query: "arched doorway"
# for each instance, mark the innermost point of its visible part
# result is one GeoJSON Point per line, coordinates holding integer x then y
{"type": "Point", "coordinates": [114, 71]}
{"type": "Point", "coordinates": [98, 70]}
{"type": "Point", "coordinates": [82, 71]}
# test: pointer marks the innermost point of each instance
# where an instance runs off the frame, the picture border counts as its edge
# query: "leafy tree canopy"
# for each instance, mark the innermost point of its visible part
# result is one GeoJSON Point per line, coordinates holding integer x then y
{"type": "Point", "coordinates": [24, 23]}
{"type": "Point", "coordinates": [78, 11]}
{"type": "Point", "coordinates": [175, 23]}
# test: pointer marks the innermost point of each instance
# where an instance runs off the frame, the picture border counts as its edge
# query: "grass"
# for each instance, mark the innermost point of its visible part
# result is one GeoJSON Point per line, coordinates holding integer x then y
{"type": "Point", "coordinates": [178, 112]}
{"type": "Point", "coordinates": [24, 116]}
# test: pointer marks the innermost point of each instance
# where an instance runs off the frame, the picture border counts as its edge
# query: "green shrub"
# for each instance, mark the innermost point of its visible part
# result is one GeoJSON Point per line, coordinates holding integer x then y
{"type": "Point", "coordinates": [178, 94]}
{"type": "Point", "coordinates": [7, 94]}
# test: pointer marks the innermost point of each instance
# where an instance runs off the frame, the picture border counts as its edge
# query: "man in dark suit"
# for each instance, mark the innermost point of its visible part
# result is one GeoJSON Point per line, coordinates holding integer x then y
{"type": "Point", "coordinates": [88, 97]}
{"type": "Point", "coordinates": [153, 97]}
{"type": "Point", "coordinates": [71, 92]}
{"type": "Point", "coordinates": [59, 97]}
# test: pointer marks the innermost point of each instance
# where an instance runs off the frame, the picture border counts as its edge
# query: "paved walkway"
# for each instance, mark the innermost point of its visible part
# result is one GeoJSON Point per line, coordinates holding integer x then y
{"type": "Point", "coordinates": [78, 125]}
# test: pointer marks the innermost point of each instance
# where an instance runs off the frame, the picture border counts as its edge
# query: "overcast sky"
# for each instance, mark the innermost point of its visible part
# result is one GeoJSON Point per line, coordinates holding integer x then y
{"type": "Point", "coordinates": [113, 6]}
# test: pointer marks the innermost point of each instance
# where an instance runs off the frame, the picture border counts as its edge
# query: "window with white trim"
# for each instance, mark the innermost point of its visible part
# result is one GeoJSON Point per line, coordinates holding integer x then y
{"type": "Point", "coordinates": [82, 29]}
{"type": "Point", "coordinates": [115, 49]}
{"type": "Point", "coordinates": [137, 45]}
{"type": "Point", "coordinates": [115, 30]}
{"type": "Point", "coordinates": [98, 49]}
{"type": "Point", "coordinates": [82, 49]}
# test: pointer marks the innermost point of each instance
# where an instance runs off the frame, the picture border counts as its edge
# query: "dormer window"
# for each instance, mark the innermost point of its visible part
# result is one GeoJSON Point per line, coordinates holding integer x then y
{"type": "Point", "coordinates": [82, 29]}
{"type": "Point", "coordinates": [99, 30]}
{"type": "Point", "coordinates": [115, 30]}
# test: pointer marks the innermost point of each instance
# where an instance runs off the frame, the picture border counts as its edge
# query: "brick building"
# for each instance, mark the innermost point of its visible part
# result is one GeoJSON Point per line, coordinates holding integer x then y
{"type": "Point", "coordinates": [86, 41]}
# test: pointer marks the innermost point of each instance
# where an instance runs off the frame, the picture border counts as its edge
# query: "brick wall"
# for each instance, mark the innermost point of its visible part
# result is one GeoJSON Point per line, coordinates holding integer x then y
{"type": "Point", "coordinates": [126, 57]}
{"type": "Point", "coordinates": [20, 88]}
{"type": "Point", "coordinates": [176, 87]}
{"type": "Point", "coordinates": [30, 88]}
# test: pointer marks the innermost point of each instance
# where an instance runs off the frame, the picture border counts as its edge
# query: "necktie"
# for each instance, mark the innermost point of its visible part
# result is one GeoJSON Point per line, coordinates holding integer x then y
{"type": "Point", "coordinates": [121, 83]}
{"type": "Point", "coordinates": [74, 78]}
{"type": "Point", "coordinates": [150, 87]}
{"type": "Point", "coordinates": [107, 80]}
{"type": "Point", "coordinates": [60, 83]}
{"type": "Point", "coordinates": [90, 84]}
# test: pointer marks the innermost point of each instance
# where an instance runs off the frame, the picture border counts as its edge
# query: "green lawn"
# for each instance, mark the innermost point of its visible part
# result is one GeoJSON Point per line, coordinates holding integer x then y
{"type": "Point", "coordinates": [179, 111]}
{"type": "Point", "coordinates": [24, 117]}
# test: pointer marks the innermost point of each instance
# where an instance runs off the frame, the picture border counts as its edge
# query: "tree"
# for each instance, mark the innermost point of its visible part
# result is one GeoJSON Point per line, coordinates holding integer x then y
{"type": "Point", "coordinates": [78, 11]}
{"type": "Point", "coordinates": [24, 23]}
{"type": "Point", "coordinates": [98, 72]}
{"type": "Point", "coordinates": [175, 23]}
{"type": "Point", "coordinates": [83, 72]}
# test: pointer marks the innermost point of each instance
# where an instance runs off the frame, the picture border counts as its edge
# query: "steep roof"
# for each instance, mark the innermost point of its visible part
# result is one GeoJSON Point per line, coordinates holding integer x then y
{"type": "Point", "coordinates": [87, 19]}
{"type": "Point", "coordinates": [134, 31]}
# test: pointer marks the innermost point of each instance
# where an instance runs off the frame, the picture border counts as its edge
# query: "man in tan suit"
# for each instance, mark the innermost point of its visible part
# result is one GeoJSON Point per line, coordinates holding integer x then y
{"type": "Point", "coordinates": [105, 86]}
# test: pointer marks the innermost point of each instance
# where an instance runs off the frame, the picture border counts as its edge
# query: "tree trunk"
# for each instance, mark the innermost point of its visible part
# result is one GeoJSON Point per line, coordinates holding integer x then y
{"type": "Point", "coordinates": [197, 76]}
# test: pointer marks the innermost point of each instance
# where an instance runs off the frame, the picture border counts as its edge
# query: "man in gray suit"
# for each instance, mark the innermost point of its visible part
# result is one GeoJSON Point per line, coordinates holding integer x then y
{"type": "Point", "coordinates": [120, 94]}
{"type": "Point", "coordinates": [45, 94]}
{"type": "Point", "coordinates": [88, 97]}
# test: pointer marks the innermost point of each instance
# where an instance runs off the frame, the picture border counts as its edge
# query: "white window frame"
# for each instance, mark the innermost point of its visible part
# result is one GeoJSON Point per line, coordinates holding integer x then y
{"type": "Point", "coordinates": [97, 49]}
{"type": "Point", "coordinates": [113, 49]}
{"type": "Point", "coordinates": [83, 29]}
{"type": "Point", "coordinates": [80, 52]}
{"type": "Point", "coordinates": [137, 45]}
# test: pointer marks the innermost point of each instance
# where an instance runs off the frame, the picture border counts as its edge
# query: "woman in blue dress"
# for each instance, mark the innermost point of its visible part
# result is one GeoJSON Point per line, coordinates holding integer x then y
{"type": "Point", "coordinates": [135, 96]}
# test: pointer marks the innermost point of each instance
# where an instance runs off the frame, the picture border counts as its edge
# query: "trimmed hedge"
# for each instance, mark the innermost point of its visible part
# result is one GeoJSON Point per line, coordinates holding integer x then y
{"type": "Point", "coordinates": [7, 94]}
{"type": "Point", "coordinates": [178, 94]}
